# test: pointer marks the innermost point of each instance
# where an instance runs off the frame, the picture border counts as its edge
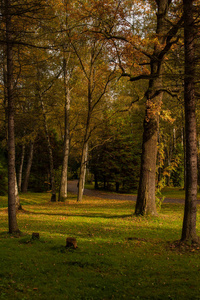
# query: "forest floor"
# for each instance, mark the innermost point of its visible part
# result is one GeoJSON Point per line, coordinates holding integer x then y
{"type": "Point", "coordinates": [72, 188]}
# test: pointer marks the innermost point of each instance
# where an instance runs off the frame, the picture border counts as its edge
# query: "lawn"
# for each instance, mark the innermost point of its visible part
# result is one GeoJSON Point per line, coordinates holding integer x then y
{"type": "Point", "coordinates": [167, 192]}
{"type": "Point", "coordinates": [176, 193]}
{"type": "Point", "coordinates": [119, 255]}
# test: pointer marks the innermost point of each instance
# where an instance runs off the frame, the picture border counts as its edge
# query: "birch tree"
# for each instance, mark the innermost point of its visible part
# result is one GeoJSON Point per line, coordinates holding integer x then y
{"type": "Point", "coordinates": [66, 147]}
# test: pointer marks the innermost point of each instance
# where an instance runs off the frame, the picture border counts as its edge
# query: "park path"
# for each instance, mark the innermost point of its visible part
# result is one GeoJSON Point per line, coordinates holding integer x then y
{"type": "Point", "coordinates": [72, 187]}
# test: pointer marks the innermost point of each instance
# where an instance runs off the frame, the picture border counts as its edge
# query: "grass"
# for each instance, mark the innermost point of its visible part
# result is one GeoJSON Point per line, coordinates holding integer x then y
{"type": "Point", "coordinates": [176, 193]}
{"type": "Point", "coordinates": [167, 192]}
{"type": "Point", "coordinates": [119, 255]}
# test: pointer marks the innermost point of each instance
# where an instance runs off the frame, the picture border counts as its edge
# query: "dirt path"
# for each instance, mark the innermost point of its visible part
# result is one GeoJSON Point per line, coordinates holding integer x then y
{"type": "Point", "coordinates": [72, 187]}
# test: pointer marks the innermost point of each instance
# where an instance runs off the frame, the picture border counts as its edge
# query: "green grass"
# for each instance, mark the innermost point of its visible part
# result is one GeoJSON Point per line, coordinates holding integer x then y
{"type": "Point", "coordinates": [119, 255]}
{"type": "Point", "coordinates": [175, 193]}
{"type": "Point", "coordinates": [167, 192]}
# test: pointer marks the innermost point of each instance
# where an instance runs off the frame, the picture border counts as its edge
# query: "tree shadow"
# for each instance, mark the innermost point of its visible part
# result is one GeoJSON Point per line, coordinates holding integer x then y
{"type": "Point", "coordinates": [89, 215]}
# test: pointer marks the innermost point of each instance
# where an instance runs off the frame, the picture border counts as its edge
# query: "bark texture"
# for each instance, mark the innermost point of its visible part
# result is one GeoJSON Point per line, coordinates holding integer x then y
{"type": "Point", "coordinates": [17, 199]}
{"type": "Point", "coordinates": [63, 184]}
{"type": "Point", "coordinates": [82, 174]}
{"type": "Point", "coordinates": [84, 155]}
{"type": "Point", "coordinates": [189, 222]}
{"type": "Point", "coordinates": [146, 192]}
{"type": "Point", "coordinates": [12, 219]}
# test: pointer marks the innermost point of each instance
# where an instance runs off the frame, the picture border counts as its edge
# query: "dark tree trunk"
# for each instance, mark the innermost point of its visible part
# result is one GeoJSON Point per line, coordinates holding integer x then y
{"type": "Point", "coordinates": [28, 168]}
{"type": "Point", "coordinates": [12, 219]}
{"type": "Point", "coordinates": [189, 222]}
{"type": "Point", "coordinates": [146, 192]}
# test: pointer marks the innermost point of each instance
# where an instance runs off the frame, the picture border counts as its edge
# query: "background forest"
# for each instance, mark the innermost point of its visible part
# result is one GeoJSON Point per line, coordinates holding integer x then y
{"type": "Point", "coordinates": [81, 74]}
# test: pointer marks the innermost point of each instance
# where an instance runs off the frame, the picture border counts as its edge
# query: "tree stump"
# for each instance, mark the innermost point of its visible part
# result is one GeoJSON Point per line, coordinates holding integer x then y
{"type": "Point", "coordinates": [71, 242]}
{"type": "Point", "coordinates": [35, 236]}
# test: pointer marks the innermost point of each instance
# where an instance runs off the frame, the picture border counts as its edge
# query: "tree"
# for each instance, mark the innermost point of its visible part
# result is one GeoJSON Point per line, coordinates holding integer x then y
{"type": "Point", "coordinates": [146, 192]}
{"type": "Point", "coordinates": [189, 221]}
{"type": "Point", "coordinates": [16, 31]}
{"type": "Point", "coordinates": [21, 168]}
{"type": "Point", "coordinates": [115, 149]}
{"type": "Point", "coordinates": [43, 84]}
{"type": "Point", "coordinates": [63, 182]}
{"type": "Point", "coordinates": [13, 227]}
{"type": "Point", "coordinates": [135, 53]}
{"type": "Point", "coordinates": [93, 55]}
{"type": "Point", "coordinates": [67, 73]}
{"type": "Point", "coordinates": [28, 168]}
{"type": "Point", "coordinates": [3, 174]}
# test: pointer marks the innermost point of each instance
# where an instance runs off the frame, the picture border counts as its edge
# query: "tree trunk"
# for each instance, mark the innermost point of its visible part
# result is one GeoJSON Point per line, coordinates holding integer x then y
{"type": "Point", "coordinates": [85, 149]}
{"type": "Point", "coordinates": [189, 221]}
{"type": "Point", "coordinates": [52, 173]}
{"type": "Point", "coordinates": [28, 168]}
{"type": "Point", "coordinates": [51, 163]}
{"type": "Point", "coordinates": [63, 184]}
{"type": "Point", "coordinates": [12, 219]}
{"type": "Point", "coordinates": [146, 192]}
{"type": "Point", "coordinates": [17, 200]}
{"type": "Point", "coordinates": [82, 171]}
{"type": "Point", "coordinates": [21, 169]}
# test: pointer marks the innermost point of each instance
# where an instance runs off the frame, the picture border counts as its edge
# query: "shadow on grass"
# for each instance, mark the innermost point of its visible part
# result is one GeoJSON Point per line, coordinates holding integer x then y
{"type": "Point", "coordinates": [6, 234]}
{"type": "Point", "coordinates": [165, 208]}
{"type": "Point", "coordinates": [88, 215]}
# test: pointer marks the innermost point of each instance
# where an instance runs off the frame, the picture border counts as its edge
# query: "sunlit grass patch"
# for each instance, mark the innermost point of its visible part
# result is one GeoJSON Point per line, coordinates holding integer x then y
{"type": "Point", "coordinates": [175, 193]}
{"type": "Point", "coordinates": [119, 255]}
